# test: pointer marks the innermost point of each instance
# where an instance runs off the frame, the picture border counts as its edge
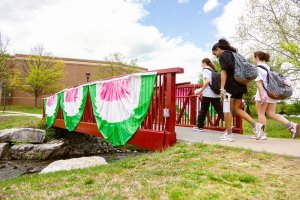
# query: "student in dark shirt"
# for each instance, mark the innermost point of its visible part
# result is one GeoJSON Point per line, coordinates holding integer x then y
{"type": "Point", "coordinates": [223, 51]}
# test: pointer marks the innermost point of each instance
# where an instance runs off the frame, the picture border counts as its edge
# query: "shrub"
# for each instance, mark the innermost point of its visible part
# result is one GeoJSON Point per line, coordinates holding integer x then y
{"type": "Point", "coordinates": [51, 132]}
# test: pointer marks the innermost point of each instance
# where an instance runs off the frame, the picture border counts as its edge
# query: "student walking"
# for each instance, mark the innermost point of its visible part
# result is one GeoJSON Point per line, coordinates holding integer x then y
{"type": "Point", "coordinates": [208, 95]}
{"type": "Point", "coordinates": [265, 104]}
{"type": "Point", "coordinates": [223, 51]}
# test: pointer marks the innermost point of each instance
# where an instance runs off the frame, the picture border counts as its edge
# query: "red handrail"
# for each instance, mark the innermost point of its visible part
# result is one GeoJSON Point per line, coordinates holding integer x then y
{"type": "Point", "coordinates": [156, 132]}
{"type": "Point", "coordinates": [189, 104]}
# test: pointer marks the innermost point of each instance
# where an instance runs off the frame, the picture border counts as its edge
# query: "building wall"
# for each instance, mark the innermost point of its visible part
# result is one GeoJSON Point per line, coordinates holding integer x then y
{"type": "Point", "coordinates": [75, 74]}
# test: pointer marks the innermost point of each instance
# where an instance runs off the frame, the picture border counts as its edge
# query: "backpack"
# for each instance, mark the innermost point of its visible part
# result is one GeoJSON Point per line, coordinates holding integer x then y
{"type": "Point", "coordinates": [215, 81]}
{"type": "Point", "coordinates": [244, 72]}
{"type": "Point", "coordinates": [277, 88]}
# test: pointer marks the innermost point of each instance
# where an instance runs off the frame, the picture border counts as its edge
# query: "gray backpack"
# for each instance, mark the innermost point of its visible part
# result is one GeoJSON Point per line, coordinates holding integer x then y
{"type": "Point", "coordinates": [276, 88]}
{"type": "Point", "coordinates": [244, 72]}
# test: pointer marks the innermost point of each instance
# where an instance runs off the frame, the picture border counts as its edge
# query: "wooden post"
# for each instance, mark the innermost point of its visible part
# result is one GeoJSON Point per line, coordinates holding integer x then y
{"type": "Point", "coordinates": [170, 137]}
{"type": "Point", "coordinates": [193, 107]}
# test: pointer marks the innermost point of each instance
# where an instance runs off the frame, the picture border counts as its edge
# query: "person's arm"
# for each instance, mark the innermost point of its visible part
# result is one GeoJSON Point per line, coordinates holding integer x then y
{"type": "Point", "coordinates": [223, 81]}
{"type": "Point", "coordinates": [205, 84]}
{"type": "Point", "coordinates": [262, 95]}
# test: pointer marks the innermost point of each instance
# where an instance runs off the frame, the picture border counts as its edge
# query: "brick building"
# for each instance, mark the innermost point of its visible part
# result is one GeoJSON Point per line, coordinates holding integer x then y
{"type": "Point", "coordinates": [75, 74]}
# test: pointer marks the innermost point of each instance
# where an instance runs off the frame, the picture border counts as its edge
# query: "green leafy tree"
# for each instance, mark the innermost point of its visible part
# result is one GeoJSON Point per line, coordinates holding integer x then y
{"type": "Point", "coordinates": [117, 65]}
{"type": "Point", "coordinates": [6, 63]}
{"type": "Point", "coordinates": [273, 26]}
{"type": "Point", "coordinates": [40, 74]}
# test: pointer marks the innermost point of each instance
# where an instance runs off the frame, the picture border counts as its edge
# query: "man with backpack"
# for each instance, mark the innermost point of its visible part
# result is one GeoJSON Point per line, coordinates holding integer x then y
{"type": "Point", "coordinates": [210, 93]}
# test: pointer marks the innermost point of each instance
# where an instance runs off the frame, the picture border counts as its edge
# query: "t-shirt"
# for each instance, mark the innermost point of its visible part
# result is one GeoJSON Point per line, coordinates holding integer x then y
{"type": "Point", "coordinates": [207, 92]}
{"type": "Point", "coordinates": [262, 75]}
{"type": "Point", "coordinates": [232, 86]}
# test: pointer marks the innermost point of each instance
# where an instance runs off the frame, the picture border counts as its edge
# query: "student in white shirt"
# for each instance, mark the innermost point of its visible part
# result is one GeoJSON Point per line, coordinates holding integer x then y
{"type": "Point", "coordinates": [265, 104]}
{"type": "Point", "coordinates": [208, 96]}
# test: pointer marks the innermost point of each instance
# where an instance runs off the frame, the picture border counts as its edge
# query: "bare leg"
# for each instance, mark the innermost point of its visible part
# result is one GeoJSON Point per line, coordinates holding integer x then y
{"type": "Point", "coordinates": [228, 118]}
{"type": "Point", "coordinates": [271, 113]}
{"type": "Point", "coordinates": [261, 110]}
{"type": "Point", "coordinates": [241, 113]}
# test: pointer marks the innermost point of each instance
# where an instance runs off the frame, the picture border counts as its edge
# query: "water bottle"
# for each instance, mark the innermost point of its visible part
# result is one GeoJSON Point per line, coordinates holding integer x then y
{"type": "Point", "coordinates": [226, 103]}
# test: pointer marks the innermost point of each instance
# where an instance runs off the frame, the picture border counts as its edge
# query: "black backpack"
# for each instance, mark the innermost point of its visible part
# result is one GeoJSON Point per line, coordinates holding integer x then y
{"type": "Point", "coordinates": [276, 88]}
{"type": "Point", "coordinates": [215, 81]}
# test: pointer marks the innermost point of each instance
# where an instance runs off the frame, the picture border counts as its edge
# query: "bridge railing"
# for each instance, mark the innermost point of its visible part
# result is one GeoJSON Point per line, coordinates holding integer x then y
{"type": "Point", "coordinates": [188, 108]}
{"type": "Point", "coordinates": [157, 131]}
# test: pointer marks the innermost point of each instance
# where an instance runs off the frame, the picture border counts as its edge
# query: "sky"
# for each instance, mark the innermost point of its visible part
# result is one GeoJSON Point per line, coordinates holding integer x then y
{"type": "Point", "coordinates": [159, 33]}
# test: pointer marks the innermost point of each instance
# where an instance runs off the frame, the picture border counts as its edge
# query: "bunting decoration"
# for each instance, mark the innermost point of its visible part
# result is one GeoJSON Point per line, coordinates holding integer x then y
{"type": "Point", "coordinates": [51, 109]}
{"type": "Point", "coordinates": [72, 102]}
{"type": "Point", "coordinates": [121, 104]}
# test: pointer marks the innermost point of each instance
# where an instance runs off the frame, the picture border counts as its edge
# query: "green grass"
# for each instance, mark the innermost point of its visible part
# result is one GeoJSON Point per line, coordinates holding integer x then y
{"type": "Point", "coordinates": [273, 129]}
{"type": "Point", "coordinates": [185, 171]}
{"type": "Point", "coordinates": [18, 122]}
{"type": "Point", "coordinates": [27, 109]}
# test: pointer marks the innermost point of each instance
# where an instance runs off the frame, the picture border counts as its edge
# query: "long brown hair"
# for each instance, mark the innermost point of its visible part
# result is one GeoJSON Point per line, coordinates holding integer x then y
{"type": "Point", "coordinates": [208, 63]}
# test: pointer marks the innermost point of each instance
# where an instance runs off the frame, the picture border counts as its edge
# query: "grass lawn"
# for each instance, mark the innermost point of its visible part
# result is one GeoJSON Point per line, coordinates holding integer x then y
{"type": "Point", "coordinates": [186, 171]}
{"type": "Point", "coordinates": [273, 129]}
{"type": "Point", "coordinates": [27, 109]}
{"type": "Point", "coordinates": [18, 122]}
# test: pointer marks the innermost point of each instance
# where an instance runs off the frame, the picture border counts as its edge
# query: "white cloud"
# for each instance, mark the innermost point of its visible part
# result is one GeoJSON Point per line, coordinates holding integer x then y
{"type": "Point", "coordinates": [94, 28]}
{"type": "Point", "coordinates": [227, 22]}
{"type": "Point", "coordinates": [182, 1]}
{"type": "Point", "coordinates": [210, 5]}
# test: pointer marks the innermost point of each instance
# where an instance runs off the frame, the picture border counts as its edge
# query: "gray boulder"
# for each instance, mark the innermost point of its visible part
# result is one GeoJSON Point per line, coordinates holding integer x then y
{"type": "Point", "coordinates": [74, 163]}
{"type": "Point", "coordinates": [3, 149]}
{"type": "Point", "coordinates": [29, 135]}
{"type": "Point", "coordinates": [35, 151]}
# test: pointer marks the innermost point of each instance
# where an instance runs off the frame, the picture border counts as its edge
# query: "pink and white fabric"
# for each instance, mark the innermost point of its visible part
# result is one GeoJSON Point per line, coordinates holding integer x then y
{"type": "Point", "coordinates": [117, 99]}
{"type": "Point", "coordinates": [51, 105]}
{"type": "Point", "coordinates": [72, 100]}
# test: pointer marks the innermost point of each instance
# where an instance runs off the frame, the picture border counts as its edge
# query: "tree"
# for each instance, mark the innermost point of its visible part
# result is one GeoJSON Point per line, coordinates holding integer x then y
{"type": "Point", "coordinates": [40, 74]}
{"type": "Point", "coordinates": [6, 63]}
{"type": "Point", "coordinates": [274, 26]}
{"type": "Point", "coordinates": [117, 66]}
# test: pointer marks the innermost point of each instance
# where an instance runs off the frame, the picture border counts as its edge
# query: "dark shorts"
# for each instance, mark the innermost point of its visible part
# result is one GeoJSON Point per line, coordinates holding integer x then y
{"type": "Point", "coordinates": [237, 96]}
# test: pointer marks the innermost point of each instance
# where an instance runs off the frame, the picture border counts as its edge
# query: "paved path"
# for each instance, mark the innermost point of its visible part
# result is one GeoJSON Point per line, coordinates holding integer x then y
{"type": "Point", "coordinates": [11, 113]}
{"type": "Point", "coordinates": [289, 147]}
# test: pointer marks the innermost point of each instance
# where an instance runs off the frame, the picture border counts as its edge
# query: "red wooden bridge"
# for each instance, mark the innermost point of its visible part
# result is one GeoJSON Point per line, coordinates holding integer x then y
{"type": "Point", "coordinates": [158, 132]}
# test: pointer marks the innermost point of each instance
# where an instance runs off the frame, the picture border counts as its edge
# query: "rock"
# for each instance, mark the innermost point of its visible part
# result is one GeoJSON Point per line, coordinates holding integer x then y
{"type": "Point", "coordinates": [34, 151]}
{"type": "Point", "coordinates": [29, 135]}
{"type": "Point", "coordinates": [3, 149]}
{"type": "Point", "coordinates": [74, 163]}
{"type": "Point", "coordinates": [5, 135]}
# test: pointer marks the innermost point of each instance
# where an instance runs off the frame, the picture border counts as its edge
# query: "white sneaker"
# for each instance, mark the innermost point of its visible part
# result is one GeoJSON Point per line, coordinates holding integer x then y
{"type": "Point", "coordinates": [258, 130]}
{"type": "Point", "coordinates": [263, 136]}
{"type": "Point", "coordinates": [197, 129]}
{"type": "Point", "coordinates": [253, 137]}
{"type": "Point", "coordinates": [226, 137]}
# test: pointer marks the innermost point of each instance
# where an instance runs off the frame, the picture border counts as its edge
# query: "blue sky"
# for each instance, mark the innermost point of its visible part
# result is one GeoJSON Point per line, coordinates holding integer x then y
{"type": "Point", "coordinates": [159, 33]}
{"type": "Point", "coordinates": [187, 20]}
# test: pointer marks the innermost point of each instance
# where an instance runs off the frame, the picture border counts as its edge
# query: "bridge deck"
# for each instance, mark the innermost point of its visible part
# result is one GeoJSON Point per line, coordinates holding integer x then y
{"type": "Point", "coordinates": [287, 147]}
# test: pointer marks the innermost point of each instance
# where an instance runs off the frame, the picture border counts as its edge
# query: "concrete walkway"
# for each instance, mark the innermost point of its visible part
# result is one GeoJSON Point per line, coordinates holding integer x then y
{"type": "Point", "coordinates": [11, 113]}
{"type": "Point", "coordinates": [289, 147]}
